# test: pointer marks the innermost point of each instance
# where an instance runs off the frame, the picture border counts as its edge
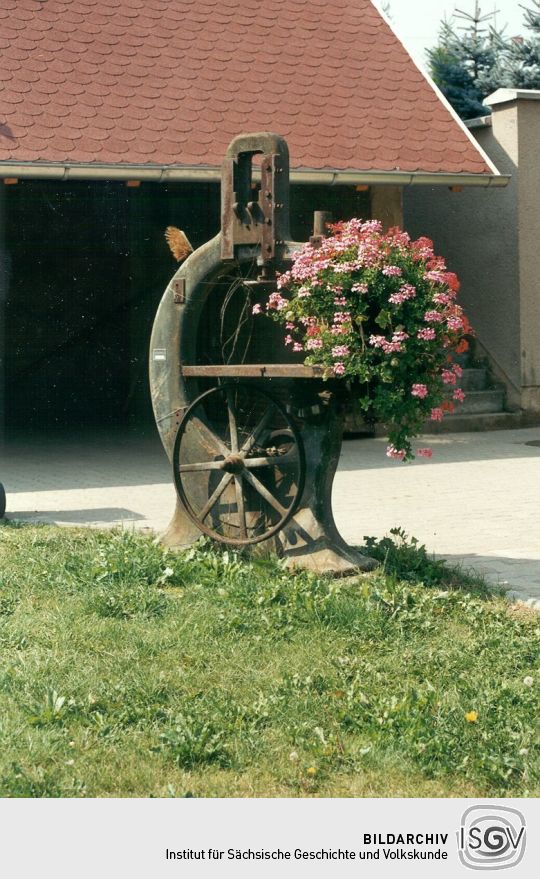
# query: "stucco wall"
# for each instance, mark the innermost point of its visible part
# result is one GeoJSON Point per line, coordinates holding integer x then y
{"type": "Point", "coordinates": [476, 230]}
{"type": "Point", "coordinates": [529, 236]}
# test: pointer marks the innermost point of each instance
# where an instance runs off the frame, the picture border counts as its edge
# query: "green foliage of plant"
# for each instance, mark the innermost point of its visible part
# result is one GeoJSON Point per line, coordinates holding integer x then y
{"type": "Point", "coordinates": [250, 680]}
{"type": "Point", "coordinates": [127, 601]}
{"type": "Point", "coordinates": [408, 560]}
{"type": "Point", "coordinates": [197, 737]}
{"type": "Point", "coordinates": [378, 311]}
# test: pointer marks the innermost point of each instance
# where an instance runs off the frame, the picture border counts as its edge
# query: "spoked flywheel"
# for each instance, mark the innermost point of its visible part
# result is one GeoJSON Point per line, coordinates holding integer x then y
{"type": "Point", "coordinates": [238, 464]}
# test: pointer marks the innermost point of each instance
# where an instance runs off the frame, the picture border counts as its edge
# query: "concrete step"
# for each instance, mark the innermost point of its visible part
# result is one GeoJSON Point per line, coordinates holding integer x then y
{"type": "Point", "coordinates": [464, 360]}
{"type": "Point", "coordinates": [474, 379]}
{"type": "Point", "coordinates": [473, 423]}
{"type": "Point", "coordinates": [459, 424]}
{"type": "Point", "coordinates": [481, 402]}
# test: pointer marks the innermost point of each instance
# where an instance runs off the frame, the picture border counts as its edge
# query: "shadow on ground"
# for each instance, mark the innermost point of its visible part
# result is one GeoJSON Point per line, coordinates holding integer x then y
{"type": "Point", "coordinates": [362, 454]}
{"type": "Point", "coordinates": [104, 516]}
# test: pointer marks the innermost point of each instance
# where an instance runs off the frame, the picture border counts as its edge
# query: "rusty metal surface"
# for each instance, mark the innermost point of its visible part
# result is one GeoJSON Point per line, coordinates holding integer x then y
{"type": "Point", "coordinates": [264, 221]}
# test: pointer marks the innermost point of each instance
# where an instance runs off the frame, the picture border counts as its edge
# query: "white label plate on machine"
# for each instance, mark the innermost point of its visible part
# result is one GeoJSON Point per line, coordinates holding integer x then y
{"type": "Point", "coordinates": [160, 354]}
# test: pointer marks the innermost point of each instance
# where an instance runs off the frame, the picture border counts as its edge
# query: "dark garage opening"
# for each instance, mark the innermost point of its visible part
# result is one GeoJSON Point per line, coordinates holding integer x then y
{"type": "Point", "coordinates": [86, 266]}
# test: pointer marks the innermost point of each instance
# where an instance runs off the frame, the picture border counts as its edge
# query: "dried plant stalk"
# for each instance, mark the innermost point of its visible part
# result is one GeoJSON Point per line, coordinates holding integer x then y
{"type": "Point", "coordinates": [178, 243]}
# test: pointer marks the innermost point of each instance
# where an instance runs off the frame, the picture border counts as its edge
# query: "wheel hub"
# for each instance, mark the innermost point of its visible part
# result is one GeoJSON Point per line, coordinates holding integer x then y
{"type": "Point", "coordinates": [233, 464]}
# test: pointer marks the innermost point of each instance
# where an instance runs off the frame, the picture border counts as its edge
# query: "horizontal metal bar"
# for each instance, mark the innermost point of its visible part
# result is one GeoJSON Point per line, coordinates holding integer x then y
{"type": "Point", "coordinates": [254, 370]}
{"type": "Point", "coordinates": [210, 173]}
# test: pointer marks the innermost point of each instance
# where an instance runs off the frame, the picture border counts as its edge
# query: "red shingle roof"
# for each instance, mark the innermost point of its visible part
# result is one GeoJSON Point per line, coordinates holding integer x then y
{"type": "Point", "coordinates": [170, 82]}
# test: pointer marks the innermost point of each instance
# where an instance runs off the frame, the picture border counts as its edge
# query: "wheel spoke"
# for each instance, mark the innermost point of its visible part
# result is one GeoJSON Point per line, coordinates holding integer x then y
{"type": "Point", "coordinates": [255, 434]}
{"type": "Point", "coordinates": [240, 504]}
{"type": "Point", "coordinates": [204, 465]}
{"type": "Point", "coordinates": [207, 436]}
{"type": "Point", "coordinates": [215, 496]}
{"type": "Point", "coordinates": [271, 461]}
{"type": "Point", "coordinates": [263, 491]}
{"type": "Point", "coordinates": [232, 421]}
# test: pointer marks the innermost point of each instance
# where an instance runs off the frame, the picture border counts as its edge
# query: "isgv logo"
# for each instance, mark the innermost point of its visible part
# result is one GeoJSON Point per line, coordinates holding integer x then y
{"type": "Point", "coordinates": [491, 837]}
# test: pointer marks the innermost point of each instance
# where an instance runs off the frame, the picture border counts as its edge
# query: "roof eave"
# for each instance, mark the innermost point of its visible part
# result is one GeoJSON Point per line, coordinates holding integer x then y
{"type": "Point", "coordinates": [210, 173]}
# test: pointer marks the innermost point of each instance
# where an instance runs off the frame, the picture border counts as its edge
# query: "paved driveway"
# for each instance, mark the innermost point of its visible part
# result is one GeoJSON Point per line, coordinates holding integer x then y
{"type": "Point", "coordinates": [475, 502]}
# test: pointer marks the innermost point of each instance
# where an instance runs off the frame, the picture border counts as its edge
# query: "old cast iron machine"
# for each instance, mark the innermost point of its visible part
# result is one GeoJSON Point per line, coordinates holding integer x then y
{"type": "Point", "coordinates": [253, 437]}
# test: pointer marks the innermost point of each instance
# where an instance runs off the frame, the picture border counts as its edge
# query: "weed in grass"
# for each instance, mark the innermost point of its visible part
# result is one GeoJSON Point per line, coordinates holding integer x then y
{"type": "Point", "coordinates": [196, 739]}
{"type": "Point", "coordinates": [52, 709]}
{"type": "Point", "coordinates": [125, 601]}
{"type": "Point", "coordinates": [409, 560]}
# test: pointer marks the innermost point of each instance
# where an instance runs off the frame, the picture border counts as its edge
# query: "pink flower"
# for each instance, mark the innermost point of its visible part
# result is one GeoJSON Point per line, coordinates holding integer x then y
{"type": "Point", "coordinates": [314, 344]}
{"type": "Point", "coordinates": [389, 347]}
{"type": "Point", "coordinates": [436, 277]}
{"type": "Point", "coordinates": [437, 414]}
{"type": "Point", "coordinates": [256, 309]}
{"type": "Point", "coordinates": [425, 453]}
{"type": "Point", "coordinates": [457, 369]}
{"type": "Point", "coordinates": [288, 340]}
{"type": "Point", "coordinates": [397, 298]}
{"type": "Point", "coordinates": [392, 271]}
{"type": "Point", "coordinates": [289, 325]}
{"type": "Point", "coordinates": [339, 368]}
{"type": "Point", "coordinates": [458, 395]}
{"type": "Point", "coordinates": [448, 377]}
{"type": "Point", "coordinates": [340, 351]}
{"type": "Point", "coordinates": [442, 298]}
{"type": "Point", "coordinates": [452, 281]}
{"type": "Point", "coordinates": [283, 280]}
{"type": "Point", "coordinates": [276, 300]}
{"type": "Point", "coordinates": [359, 288]}
{"type": "Point", "coordinates": [339, 331]}
{"type": "Point", "coordinates": [423, 248]}
{"type": "Point", "coordinates": [454, 323]}
{"type": "Point", "coordinates": [406, 291]}
{"type": "Point", "coordinates": [392, 452]}
{"type": "Point", "coordinates": [297, 347]}
{"type": "Point", "coordinates": [304, 291]}
{"type": "Point", "coordinates": [436, 264]}
{"type": "Point", "coordinates": [434, 316]}
{"type": "Point", "coordinates": [420, 391]}
{"type": "Point", "coordinates": [426, 334]}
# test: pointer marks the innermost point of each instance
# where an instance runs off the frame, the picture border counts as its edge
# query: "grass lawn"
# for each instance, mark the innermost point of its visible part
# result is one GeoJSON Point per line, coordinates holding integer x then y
{"type": "Point", "coordinates": [129, 671]}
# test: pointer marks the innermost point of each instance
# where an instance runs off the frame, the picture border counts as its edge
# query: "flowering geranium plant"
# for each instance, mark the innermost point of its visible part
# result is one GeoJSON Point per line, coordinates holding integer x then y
{"type": "Point", "coordinates": [379, 310]}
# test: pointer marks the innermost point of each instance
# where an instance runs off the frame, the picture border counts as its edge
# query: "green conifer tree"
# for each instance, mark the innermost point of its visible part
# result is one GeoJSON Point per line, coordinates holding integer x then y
{"type": "Point", "coordinates": [463, 63]}
{"type": "Point", "coordinates": [519, 63]}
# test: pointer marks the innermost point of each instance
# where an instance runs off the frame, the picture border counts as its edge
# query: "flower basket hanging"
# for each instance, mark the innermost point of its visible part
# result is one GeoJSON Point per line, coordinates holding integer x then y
{"type": "Point", "coordinates": [378, 311]}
